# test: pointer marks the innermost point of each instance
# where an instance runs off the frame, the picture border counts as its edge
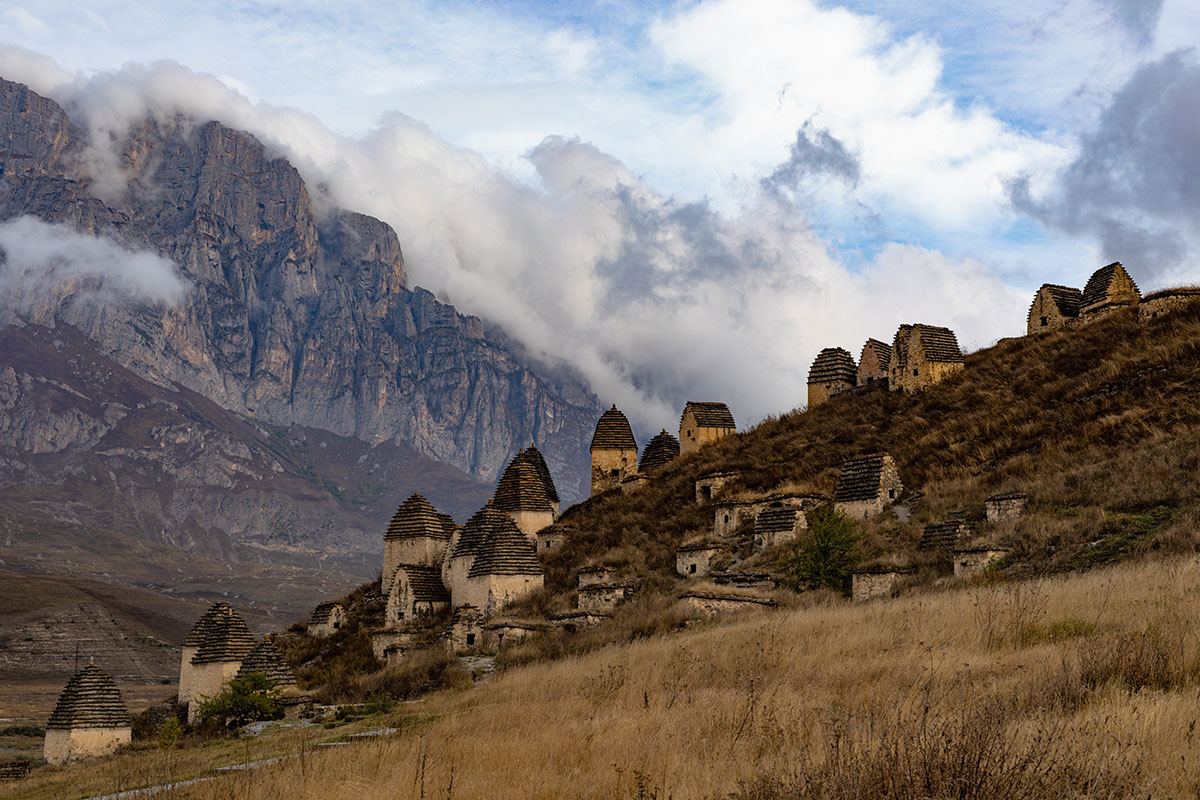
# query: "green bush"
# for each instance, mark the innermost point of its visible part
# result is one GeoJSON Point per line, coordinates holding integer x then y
{"type": "Point", "coordinates": [243, 701]}
{"type": "Point", "coordinates": [826, 552]}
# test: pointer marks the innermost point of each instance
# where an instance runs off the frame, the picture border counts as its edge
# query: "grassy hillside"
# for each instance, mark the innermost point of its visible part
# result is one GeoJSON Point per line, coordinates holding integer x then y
{"type": "Point", "coordinates": [1099, 425]}
{"type": "Point", "coordinates": [1064, 686]}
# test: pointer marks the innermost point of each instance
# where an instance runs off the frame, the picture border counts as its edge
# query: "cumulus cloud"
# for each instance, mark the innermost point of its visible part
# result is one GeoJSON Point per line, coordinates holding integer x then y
{"type": "Point", "coordinates": [1134, 185]}
{"type": "Point", "coordinates": [815, 153]}
{"type": "Point", "coordinates": [654, 298]}
{"type": "Point", "coordinates": [42, 264]}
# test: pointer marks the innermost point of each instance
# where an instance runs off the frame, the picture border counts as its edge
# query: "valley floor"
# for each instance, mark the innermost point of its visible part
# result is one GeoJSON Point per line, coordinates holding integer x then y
{"type": "Point", "coordinates": [1079, 685]}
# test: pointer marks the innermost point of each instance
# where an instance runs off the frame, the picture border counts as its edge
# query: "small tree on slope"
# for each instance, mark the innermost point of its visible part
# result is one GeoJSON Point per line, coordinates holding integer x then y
{"type": "Point", "coordinates": [827, 551]}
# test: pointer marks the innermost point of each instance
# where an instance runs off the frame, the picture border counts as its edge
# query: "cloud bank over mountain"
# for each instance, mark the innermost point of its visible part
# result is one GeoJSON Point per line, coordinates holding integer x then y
{"type": "Point", "coordinates": [690, 207]}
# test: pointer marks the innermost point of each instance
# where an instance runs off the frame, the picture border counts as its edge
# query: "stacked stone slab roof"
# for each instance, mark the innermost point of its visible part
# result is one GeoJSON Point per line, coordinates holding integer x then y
{"type": "Point", "coordinates": [860, 479]}
{"type": "Point", "coordinates": [205, 623]}
{"type": "Point", "coordinates": [535, 458]}
{"type": "Point", "coordinates": [485, 522]}
{"type": "Point", "coordinates": [939, 344]}
{"type": "Point", "coordinates": [833, 364]}
{"type": "Point", "coordinates": [322, 613]}
{"type": "Point", "coordinates": [775, 520]}
{"type": "Point", "coordinates": [613, 432]}
{"type": "Point", "coordinates": [1178, 291]}
{"type": "Point", "coordinates": [662, 450]}
{"type": "Point", "coordinates": [883, 352]}
{"type": "Point", "coordinates": [426, 583]}
{"type": "Point", "coordinates": [521, 488]}
{"type": "Point", "coordinates": [417, 518]}
{"type": "Point", "coordinates": [89, 700]}
{"type": "Point", "coordinates": [266, 660]}
{"type": "Point", "coordinates": [226, 639]}
{"type": "Point", "coordinates": [942, 535]}
{"type": "Point", "coordinates": [506, 551]}
{"type": "Point", "coordinates": [448, 524]}
{"type": "Point", "coordinates": [1066, 299]}
{"type": "Point", "coordinates": [1096, 292]}
{"type": "Point", "coordinates": [710, 415]}
{"type": "Point", "coordinates": [699, 546]}
{"type": "Point", "coordinates": [1007, 496]}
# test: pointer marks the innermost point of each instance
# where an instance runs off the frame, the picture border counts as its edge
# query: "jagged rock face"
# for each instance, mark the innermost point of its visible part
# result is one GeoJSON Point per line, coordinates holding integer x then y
{"type": "Point", "coordinates": [293, 317]}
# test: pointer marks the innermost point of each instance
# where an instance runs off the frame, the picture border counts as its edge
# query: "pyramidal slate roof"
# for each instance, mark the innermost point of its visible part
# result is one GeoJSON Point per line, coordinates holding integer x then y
{"type": "Point", "coordinates": [860, 478]}
{"type": "Point", "coordinates": [521, 488]}
{"type": "Point", "coordinates": [613, 432]}
{"type": "Point", "coordinates": [425, 582]}
{"type": "Point", "coordinates": [882, 350]}
{"type": "Point", "coordinates": [709, 415]}
{"type": "Point", "coordinates": [1101, 282]}
{"type": "Point", "coordinates": [205, 623]}
{"type": "Point", "coordinates": [448, 524]}
{"type": "Point", "coordinates": [833, 364]}
{"type": "Point", "coordinates": [322, 613]}
{"type": "Point", "coordinates": [266, 660]}
{"type": "Point", "coordinates": [775, 520]}
{"type": "Point", "coordinates": [506, 551]}
{"type": "Point", "coordinates": [416, 518]}
{"type": "Point", "coordinates": [534, 457]}
{"type": "Point", "coordinates": [662, 450]}
{"type": "Point", "coordinates": [89, 700]}
{"type": "Point", "coordinates": [226, 639]}
{"type": "Point", "coordinates": [1066, 299]}
{"type": "Point", "coordinates": [485, 522]}
{"type": "Point", "coordinates": [938, 344]}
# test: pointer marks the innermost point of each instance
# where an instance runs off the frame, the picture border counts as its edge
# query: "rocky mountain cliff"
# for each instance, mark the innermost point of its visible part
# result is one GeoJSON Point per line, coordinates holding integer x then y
{"type": "Point", "coordinates": [292, 393]}
{"type": "Point", "coordinates": [293, 316]}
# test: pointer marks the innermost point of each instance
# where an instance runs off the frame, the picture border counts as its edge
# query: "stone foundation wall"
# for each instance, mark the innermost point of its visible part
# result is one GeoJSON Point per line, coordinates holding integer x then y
{"type": "Point", "coordinates": [727, 517]}
{"type": "Point", "coordinates": [71, 745]}
{"type": "Point", "coordinates": [602, 597]}
{"type": "Point", "coordinates": [465, 632]}
{"type": "Point", "coordinates": [718, 606]}
{"type": "Point", "coordinates": [869, 585]}
{"type": "Point", "coordinates": [1009, 508]}
{"type": "Point", "coordinates": [1157, 306]}
{"type": "Point", "coordinates": [694, 563]}
{"type": "Point", "coordinates": [974, 562]}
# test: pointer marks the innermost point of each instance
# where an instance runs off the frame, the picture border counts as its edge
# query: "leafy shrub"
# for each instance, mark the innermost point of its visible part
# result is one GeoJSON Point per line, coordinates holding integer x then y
{"type": "Point", "coordinates": [827, 552]}
{"type": "Point", "coordinates": [242, 701]}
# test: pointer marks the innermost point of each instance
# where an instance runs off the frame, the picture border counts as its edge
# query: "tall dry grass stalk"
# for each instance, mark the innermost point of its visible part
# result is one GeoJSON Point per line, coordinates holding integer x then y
{"type": "Point", "coordinates": [1080, 686]}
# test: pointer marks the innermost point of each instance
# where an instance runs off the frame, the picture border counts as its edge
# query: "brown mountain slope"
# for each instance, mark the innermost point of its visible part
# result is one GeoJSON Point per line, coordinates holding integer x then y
{"type": "Point", "coordinates": [1100, 425]}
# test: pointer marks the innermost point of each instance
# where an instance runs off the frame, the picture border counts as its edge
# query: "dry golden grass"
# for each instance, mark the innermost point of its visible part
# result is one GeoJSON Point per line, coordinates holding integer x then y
{"type": "Point", "coordinates": [1075, 686]}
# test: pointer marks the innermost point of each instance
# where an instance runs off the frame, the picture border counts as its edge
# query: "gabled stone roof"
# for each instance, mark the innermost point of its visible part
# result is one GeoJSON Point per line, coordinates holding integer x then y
{"type": "Point", "coordinates": [506, 551]}
{"type": "Point", "coordinates": [613, 432]}
{"type": "Point", "coordinates": [1097, 290]}
{"type": "Point", "coordinates": [775, 520]}
{"type": "Point", "coordinates": [266, 660]}
{"type": "Point", "coordinates": [89, 700]}
{"type": "Point", "coordinates": [662, 450]}
{"type": "Point", "coordinates": [226, 639]}
{"type": "Point", "coordinates": [943, 535]}
{"type": "Point", "coordinates": [860, 479]}
{"type": "Point", "coordinates": [938, 344]}
{"type": "Point", "coordinates": [833, 364]}
{"type": "Point", "coordinates": [322, 613]}
{"type": "Point", "coordinates": [883, 353]}
{"type": "Point", "coordinates": [521, 488]}
{"type": "Point", "coordinates": [426, 583]}
{"type": "Point", "coordinates": [417, 518]}
{"type": "Point", "coordinates": [205, 623]}
{"type": "Point", "coordinates": [1067, 300]}
{"type": "Point", "coordinates": [709, 415]}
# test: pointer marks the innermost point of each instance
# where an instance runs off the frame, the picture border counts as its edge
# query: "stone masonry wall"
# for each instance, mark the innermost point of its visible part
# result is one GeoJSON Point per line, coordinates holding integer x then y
{"type": "Point", "coordinates": [869, 585]}
{"type": "Point", "coordinates": [610, 467]}
{"type": "Point", "coordinates": [70, 745]}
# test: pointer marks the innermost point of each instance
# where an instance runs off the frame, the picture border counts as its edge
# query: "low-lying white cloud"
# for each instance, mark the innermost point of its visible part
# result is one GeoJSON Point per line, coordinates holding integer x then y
{"type": "Point", "coordinates": [42, 264]}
